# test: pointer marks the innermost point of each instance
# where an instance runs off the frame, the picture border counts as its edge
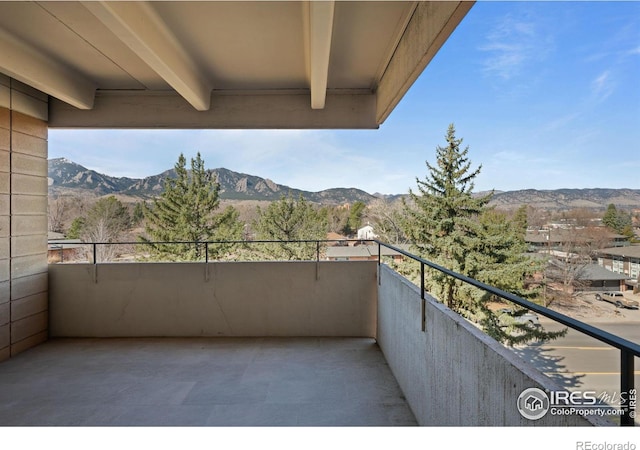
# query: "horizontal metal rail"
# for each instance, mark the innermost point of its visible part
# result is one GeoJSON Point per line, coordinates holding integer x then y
{"type": "Point", "coordinates": [60, 246]}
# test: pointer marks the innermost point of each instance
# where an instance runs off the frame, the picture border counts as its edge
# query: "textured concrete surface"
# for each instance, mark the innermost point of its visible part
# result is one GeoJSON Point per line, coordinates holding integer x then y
{"type": "Point", "coordinates": [219, 299]}
{"type": "Point", "coordinates": [452, 373]}
{"type": "Point", "coordinates": [23, 218]}
{"type": "Point", "coordinates": [202, 382]}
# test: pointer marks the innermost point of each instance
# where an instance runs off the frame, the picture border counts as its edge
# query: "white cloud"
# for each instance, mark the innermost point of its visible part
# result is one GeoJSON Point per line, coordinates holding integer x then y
{"type": "Point", "coordinates": [512, 45]}
{"type": "Point", "coordinates": [602, 86]}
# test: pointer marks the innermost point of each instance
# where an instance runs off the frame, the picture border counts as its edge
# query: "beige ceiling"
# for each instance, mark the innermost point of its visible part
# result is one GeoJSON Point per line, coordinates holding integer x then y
{"type": "Point", "coordinates": [234, 64]}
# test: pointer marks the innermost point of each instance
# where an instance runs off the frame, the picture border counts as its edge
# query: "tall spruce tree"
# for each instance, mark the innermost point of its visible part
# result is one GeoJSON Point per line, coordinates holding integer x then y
{"type": "Point", "coordinates": [441, 219]}
{"type": "Point", "coordinates": [498, 258]}
{"type": "Point", "coordinates": [454, 228]}
{"type": "Point", "coordinates": [185, 212]}
{"type": "Point", "coordinates": [610, 218]}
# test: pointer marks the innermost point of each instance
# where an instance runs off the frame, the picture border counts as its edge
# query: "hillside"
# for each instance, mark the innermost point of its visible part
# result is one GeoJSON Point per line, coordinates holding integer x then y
{"type": "Point", "coordinates": [565, 199]}
{"type": "Point", "coordinates": [67, 177]}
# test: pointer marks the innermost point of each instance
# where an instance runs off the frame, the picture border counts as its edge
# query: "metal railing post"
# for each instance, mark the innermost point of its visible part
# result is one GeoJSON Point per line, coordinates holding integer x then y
{"type": "Point", "coordinates": [206, 252]}
{"type": "Point", "coordinates": [379, 263]}
{"type": "Point", "coordinates": [317, 260]}
{"type": "Point", "coordinates": [95, 260]}
{"type": "Point", "coordinates": [423, 302]}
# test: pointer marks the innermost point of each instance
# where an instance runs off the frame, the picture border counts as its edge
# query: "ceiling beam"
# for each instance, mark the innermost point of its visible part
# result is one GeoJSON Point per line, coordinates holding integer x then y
{"type": "Point", "coordinates": [430, 26]}
{"type": "Point", "coordinates": [36, 69]}
{"type": "Point", "coordinates": [142, 29]}
{"type": "Point", "coordinates": [288, 109]}
{"type": "Point", "coordinates": [319, 30]}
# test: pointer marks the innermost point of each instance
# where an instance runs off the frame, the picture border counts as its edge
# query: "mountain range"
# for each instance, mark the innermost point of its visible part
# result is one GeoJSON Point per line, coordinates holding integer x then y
{"type": "Point", "coordinates": [68, 177]}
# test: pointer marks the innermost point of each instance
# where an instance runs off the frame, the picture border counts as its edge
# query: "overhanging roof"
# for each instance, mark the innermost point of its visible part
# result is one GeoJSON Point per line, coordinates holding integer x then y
{"type": "Point", "coordinates": [632, 251]}
{"type": "Point", "coordinates": [234, 64]}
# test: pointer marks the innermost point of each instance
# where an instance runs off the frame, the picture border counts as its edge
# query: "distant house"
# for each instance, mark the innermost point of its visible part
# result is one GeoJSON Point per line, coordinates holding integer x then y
{"type": "Point", "coordinates": [366, 232]}
{"type": "Point", "coordinates": [363, 253]}
{"type": "Point", "coordinates": [348, 253]}
{"type": "Point", "coordinates": [596, 278]}
{"type": "Point", "coordinates": [622, 260]}
{"type": "Point", "coordinates": [561, 238]}
{"type": "Point", "coordinates": [61, 249]}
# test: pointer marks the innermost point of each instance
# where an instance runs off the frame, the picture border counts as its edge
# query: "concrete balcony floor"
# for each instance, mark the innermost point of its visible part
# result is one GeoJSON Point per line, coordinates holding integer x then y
{"type": "Point", "coordinates": [202, 382]}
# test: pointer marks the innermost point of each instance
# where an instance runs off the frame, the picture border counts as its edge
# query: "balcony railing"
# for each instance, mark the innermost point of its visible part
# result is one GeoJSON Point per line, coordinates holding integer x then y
{"type": "Point", "coordinates": [628, 350]}
{"type": "Point", "coordinates": [92, 249]}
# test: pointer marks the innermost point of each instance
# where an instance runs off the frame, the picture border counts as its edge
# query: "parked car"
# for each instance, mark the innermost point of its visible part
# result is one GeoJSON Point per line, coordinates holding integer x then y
{"type": "Point", "coordinates": [508, 316]}
{"type": "Point", "coordinates": [618, 299]}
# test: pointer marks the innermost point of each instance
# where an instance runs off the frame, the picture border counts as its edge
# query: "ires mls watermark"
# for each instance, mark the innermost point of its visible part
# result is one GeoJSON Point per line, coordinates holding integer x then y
{"type": "Point", "coordinates": [534, 403]}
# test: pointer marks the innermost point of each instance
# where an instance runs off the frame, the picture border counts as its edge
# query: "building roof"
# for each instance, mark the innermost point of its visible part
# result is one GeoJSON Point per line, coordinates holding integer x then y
{"type": "Point", "coordinates": [222, 64]}
{"type": "Point", "coordinates": [359, 251]}
{"type": "Point", "coordinates": [594, 272]}
{"type": "Point", "coordinates": [560, 235]}
{"type": "Point", "coordinates": [631, 251]}
{"type": "Point", "coordinates": [363, 251]}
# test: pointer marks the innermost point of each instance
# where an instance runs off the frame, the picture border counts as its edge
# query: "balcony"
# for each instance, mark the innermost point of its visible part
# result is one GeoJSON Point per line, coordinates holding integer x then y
{"type": "Point", "coordinates": [309, 343]}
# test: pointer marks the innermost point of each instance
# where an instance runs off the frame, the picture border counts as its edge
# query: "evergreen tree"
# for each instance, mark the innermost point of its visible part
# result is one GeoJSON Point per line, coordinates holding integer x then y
{"type": "Point", "coordinates": [499, 259]}
{"type": "Point", "coordinates": [185, 212]}
{"type": "Point", "coordinates": [441, 219]}
{"type": "Point", "coordinates": [450, 226]}
{"type": "Point", "coordinates": [610, 218]}
{"type": "Point", "coordinates": [75, 230]}
{"type": "Point", "coordinates": [138, 212]}
{"type": "Point", "coordinates": [290, 219]}
{"type": "Point", "coordinates": [355, 218]}
{"type": "Point", "coordinates": [618, 220]}
{"type": "Point", "coordinates": [521, 220]}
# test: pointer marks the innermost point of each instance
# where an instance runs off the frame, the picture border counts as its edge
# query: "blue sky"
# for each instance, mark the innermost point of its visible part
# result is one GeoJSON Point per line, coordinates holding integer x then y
{"type": "Point", "coordinates": [545, 94]}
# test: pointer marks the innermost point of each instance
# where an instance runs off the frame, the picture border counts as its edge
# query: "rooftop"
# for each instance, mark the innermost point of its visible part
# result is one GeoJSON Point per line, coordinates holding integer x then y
{"type": "Point", "coordinates": [632, 251]}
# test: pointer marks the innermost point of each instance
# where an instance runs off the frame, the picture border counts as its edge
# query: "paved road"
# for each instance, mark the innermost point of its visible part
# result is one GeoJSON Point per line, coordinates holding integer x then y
{"type": "Point", "coordinates": [579, 362]}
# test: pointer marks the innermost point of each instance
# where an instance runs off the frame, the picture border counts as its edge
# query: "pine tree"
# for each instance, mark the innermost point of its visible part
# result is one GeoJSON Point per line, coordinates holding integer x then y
{"type": "Point", "coordinates": [290, 219]}
{"type": "Point", "coordinates": [499, 259]}
{"type": "Point", "coordinates": [450, 226]}
{"type": "Point", "coordinates": [441, 219]}
{"type": "Point", "coordinates": [619, 221]}
{"type": "Point", "coordinates": [521, 220]}
{"type": "Point", "coordinates": [185, 212]}
{"type": "Point", "coordinates": [355, 218]}
{"type": "Point", "coordinates": [610, 218]}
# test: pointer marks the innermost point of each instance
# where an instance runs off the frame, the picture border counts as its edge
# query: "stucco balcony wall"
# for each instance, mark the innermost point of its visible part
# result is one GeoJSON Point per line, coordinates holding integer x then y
{"type": "Point", "coordinates": [244, 299]}
{"type": "Point", "coordinates": [453, 374]}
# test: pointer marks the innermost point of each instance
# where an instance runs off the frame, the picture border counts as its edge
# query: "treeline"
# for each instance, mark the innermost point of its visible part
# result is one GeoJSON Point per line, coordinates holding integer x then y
{"type": "Point", "coordinates": [189, 210]}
